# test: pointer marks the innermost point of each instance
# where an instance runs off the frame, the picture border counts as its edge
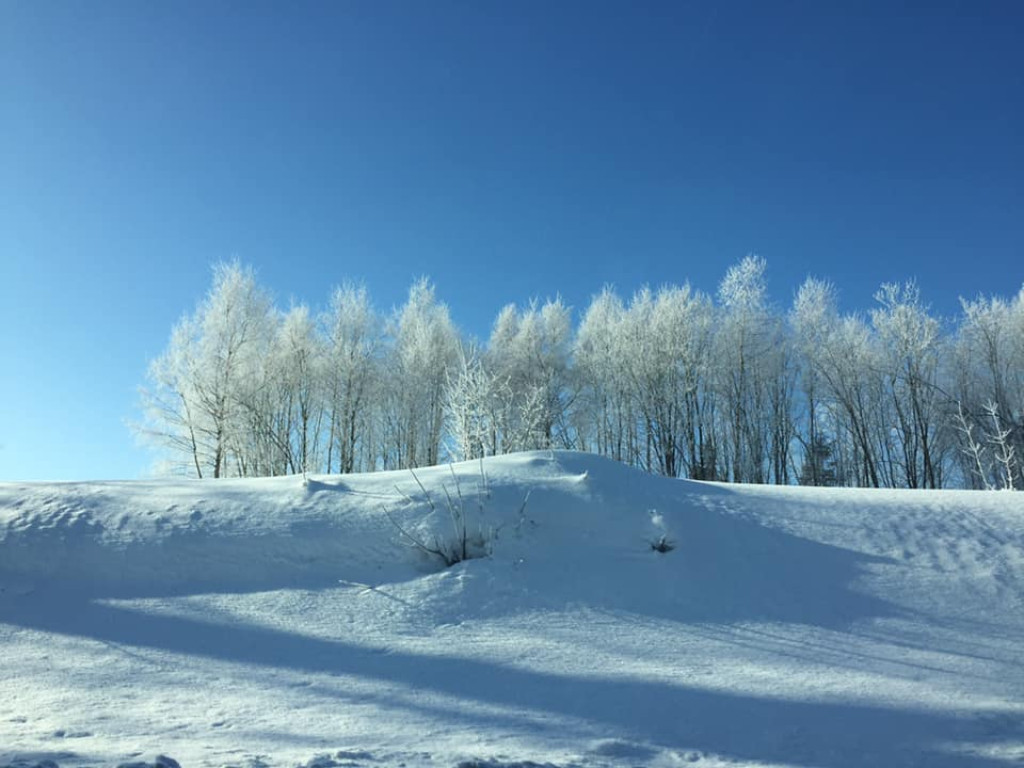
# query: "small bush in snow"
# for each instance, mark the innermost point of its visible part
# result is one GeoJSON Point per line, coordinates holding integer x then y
{"type": "Point", "coordinates": [663, 544]}
{"type": "Point", "coordinates": [462, 544]}
{"type": "Point", "coordinates": [161, 761]}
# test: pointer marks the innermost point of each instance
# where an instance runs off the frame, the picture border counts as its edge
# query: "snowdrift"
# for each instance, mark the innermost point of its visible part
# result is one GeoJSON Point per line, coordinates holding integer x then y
{"type": "Point", "coordinates": [279, 621]}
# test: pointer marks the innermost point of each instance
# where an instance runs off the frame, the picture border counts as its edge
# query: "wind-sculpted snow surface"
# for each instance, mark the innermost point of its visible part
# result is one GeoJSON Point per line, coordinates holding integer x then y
{"type": "Point", "coordinates": [282, 622]}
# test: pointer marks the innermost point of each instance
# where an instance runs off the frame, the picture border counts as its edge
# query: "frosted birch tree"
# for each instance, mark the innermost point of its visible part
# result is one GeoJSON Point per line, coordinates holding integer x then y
{"type": "Point", "coordinates": [988, 386]}
{"type": "Point", "coordinates": [353, 339]}
{"type": "Point", "coordinates": [665, 342]}
{"type": "Point", "coordinates": [297, 362]}
{"type": "Point", "coordinates": [604, 414]}
{"type": "Point", "coordinates": [813, 320]}
{"type": "Point", "coordinates": [910, 346]}
{"type": "Point", "coordinates": [528, 353]}
{"type": "Point", "coordinates": [741, 352]}
{"type": "Point", "coordinates": [426, 349]}
{"type": "Point", "coordinates": [195, 401]}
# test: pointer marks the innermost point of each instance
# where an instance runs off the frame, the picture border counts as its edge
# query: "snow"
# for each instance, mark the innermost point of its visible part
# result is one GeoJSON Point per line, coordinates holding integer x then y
{"type": "Point", "coordinates": [287, 622]}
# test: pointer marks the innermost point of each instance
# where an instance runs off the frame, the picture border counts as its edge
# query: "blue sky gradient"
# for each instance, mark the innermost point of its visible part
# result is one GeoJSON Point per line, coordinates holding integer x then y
{"type": "Point", "coordinates": [505, 149]}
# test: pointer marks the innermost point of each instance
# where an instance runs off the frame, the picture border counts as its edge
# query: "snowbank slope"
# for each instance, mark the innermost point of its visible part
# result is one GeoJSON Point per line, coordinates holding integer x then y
{"type": "Point", "coordinates": [246, 621]}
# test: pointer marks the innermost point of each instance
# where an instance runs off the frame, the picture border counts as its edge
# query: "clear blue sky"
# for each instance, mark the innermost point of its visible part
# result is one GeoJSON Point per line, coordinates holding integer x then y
{"type": "Point", "coordinates": [506, 149]}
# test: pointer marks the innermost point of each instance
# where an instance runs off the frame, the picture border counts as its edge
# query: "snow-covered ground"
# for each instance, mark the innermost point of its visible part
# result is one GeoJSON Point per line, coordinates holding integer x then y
{"type": "Point", "coordinates": [280, 622]}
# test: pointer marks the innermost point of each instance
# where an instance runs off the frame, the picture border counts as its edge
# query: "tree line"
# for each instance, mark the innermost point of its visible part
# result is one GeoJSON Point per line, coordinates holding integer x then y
{"type": "Point", "coordinates": [675, 381]}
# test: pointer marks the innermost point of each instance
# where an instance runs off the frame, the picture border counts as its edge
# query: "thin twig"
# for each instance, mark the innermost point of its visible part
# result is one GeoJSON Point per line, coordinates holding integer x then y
{"type": "Point", "coordinates": [436, 550]}
{"type": "Point", "coordinates": [430, 500]}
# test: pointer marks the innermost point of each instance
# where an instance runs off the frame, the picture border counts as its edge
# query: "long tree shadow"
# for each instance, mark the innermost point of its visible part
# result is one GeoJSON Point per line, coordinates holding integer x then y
{"type": "Point", "coordinates": [669, 713]}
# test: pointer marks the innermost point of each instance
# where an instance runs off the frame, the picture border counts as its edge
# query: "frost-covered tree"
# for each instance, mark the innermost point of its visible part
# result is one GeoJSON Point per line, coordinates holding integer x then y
{"type": "Point", "coordinates": [297, 360]}
{"type": "Point", "coordinates": [282, 401]}
{"type": "Point", "coordinates": [910, 349]}
{"type": "Point", "coordinates": [528, 356]}
{"type": "Point", "coordinates": [197, 386]}
{"type": "Point", "coordinates": [812, 320]}
{"type": "Point", "coordinates": [353, 338]}
{"type": "Point", "coordinates": [780, 383]}
{"type": "Point", "coordinates": [476, 405]}
{"type": "Point", "coordinates": [744, 339]}
{"type": "Point", "coordinates": [988, 387]}
{"type": "Point", "coordinates": [845, 398]}
{"type": "Point", "coordinates": [170, 404]}
{"type": "Point", "coordinates": [605, 419]}
{"type": "Point", "coordinates": [425, 352]}
{"type": "Point", "coordinates": [665, 343]}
